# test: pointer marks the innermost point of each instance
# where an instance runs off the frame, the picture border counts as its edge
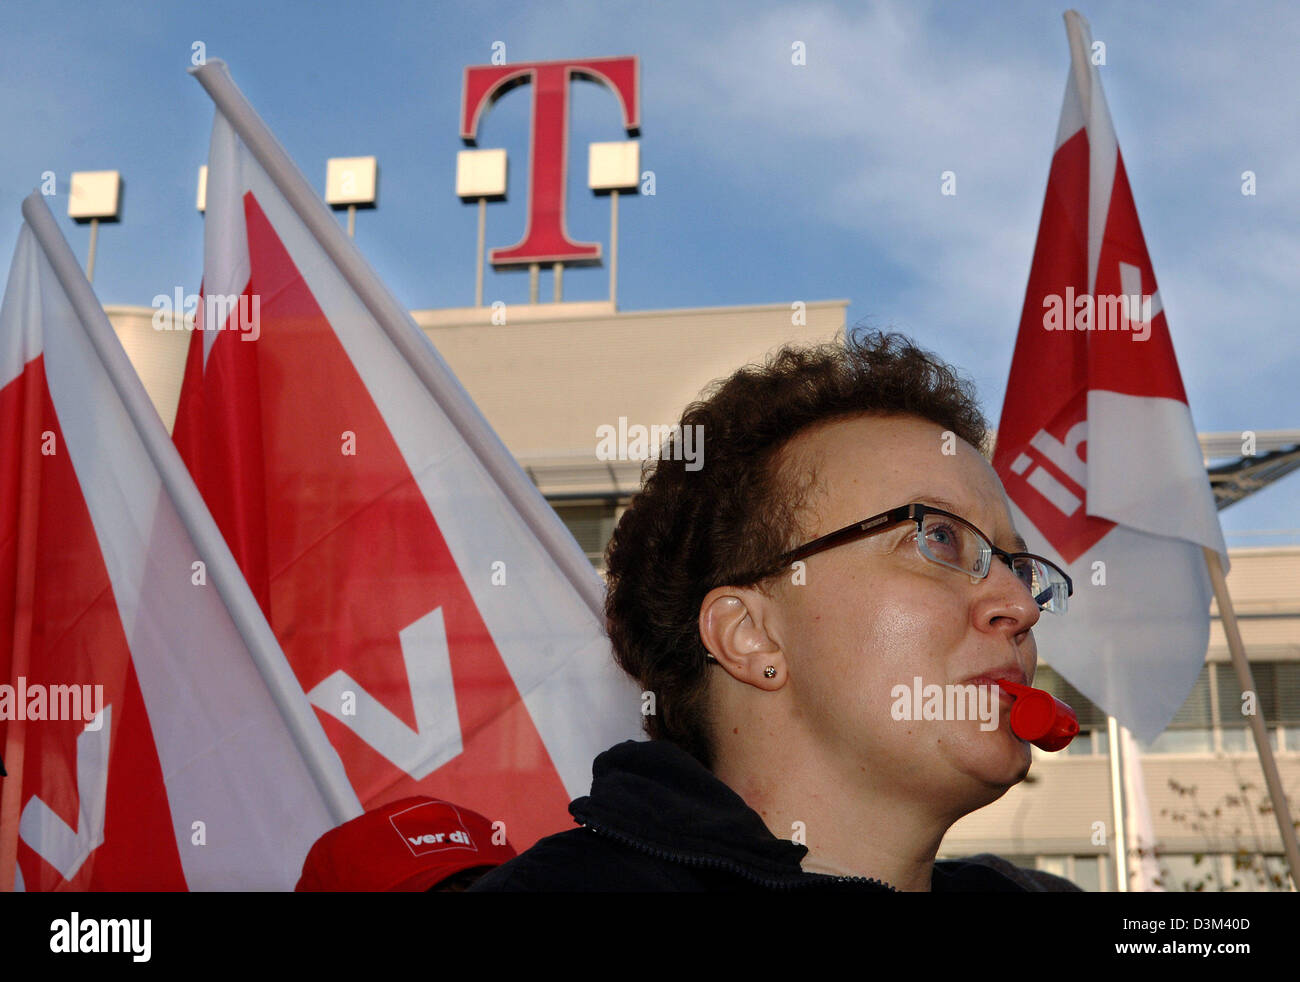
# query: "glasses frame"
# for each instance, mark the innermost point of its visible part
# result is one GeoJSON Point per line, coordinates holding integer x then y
{"type": "Point", "coordinates": [916, 512]}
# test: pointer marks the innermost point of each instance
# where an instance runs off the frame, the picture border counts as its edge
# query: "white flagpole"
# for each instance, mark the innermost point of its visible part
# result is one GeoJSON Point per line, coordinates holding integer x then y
{"type": "Point", "coordinates": [321, 760]}
{"type": "Point", "coordinates": [1080, 35]}
{"type": "Point", "coordinates": [1139, 840]}
{"type": "Point", "coordinates": [405, 336]}
{"type": "Point", "coordinates": [1119, 836]}
{"type": "Point", "coordinates": [1246, 681]}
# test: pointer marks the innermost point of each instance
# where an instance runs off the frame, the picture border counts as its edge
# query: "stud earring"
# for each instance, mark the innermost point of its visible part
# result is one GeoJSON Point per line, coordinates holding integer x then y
{"type": "Point", "coordinates": [769, 672]}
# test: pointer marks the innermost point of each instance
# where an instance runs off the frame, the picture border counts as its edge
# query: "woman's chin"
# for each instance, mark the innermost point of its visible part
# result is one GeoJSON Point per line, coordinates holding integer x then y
{"type": "Point", "coordinates": [997, 759]}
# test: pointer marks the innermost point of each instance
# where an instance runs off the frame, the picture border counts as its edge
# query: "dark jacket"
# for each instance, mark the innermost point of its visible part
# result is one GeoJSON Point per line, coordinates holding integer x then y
{"type": "Point", "coordinates": [656, 819]}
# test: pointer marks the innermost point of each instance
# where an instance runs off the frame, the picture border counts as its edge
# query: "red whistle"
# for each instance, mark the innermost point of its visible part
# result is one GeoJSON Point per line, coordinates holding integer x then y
{"type": "Point", "coordinates": [1040, 718]}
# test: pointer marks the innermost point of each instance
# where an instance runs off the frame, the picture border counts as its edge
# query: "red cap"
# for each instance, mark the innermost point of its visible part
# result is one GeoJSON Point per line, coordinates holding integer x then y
{"type": "Point", "coordinates": [404, 846]}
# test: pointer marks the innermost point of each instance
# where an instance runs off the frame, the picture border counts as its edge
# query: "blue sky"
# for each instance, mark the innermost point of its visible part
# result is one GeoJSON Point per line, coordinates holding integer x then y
{"type": "Point", "coordinates": [773, 182]}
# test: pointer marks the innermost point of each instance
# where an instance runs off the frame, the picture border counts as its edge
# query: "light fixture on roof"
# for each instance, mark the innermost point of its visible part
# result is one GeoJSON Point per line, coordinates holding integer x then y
{"type": "Point", "coordinates": [611, 168]}
{"type": "Point", "coordinates": [351, 183]}
{"type": "Point", "coordinates": [94, 196]}
{"type": "Point", "coordinates": [481, 176]}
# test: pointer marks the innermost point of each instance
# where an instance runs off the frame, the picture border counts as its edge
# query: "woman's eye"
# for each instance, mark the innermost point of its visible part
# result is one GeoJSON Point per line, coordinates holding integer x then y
{"type": "Point", "coordinates": [943, 538]}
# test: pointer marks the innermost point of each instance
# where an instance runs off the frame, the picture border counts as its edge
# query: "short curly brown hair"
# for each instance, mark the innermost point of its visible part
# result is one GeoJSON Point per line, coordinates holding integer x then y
{"type": "Point", "coordinates": [689, 531]}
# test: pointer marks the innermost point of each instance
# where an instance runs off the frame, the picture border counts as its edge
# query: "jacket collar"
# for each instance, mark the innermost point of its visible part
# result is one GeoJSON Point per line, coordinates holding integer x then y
{"type": "Point", "coordinates": [656, 796]}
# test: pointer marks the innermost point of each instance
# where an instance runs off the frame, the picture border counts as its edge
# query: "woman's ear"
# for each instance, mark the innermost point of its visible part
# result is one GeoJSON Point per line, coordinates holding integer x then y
{"type": "Point", "coordinates": [735, 628]}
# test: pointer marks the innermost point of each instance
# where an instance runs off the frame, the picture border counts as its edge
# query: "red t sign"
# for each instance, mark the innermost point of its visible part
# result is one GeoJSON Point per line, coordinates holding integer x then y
{"type": "Point", "coordinates": [545, 240]}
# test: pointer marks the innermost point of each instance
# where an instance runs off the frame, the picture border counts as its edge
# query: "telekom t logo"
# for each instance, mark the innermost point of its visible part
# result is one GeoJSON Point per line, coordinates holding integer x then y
{"type": "Point", "coordinates": [545, 239]}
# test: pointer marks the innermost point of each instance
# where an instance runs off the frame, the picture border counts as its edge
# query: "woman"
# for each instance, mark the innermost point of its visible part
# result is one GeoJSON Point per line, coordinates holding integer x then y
{"type": "Point", "coordinates": [845, 537]}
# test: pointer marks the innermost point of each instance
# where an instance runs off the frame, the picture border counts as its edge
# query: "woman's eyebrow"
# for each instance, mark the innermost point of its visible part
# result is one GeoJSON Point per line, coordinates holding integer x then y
{"type": "Point", "coordinates": [935, 501]}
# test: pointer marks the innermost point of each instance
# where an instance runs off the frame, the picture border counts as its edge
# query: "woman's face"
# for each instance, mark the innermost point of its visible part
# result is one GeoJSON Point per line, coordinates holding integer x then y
{"type": "Point", "coordinates": [874, 614]}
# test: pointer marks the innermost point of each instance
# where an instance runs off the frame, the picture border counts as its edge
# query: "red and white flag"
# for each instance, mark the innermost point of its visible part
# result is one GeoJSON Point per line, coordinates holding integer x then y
{"type": "Point", "coordinates": [444, 623]}
{"type": "Point", "coordinates": [153, 735]}
{"type": "Point", "coordinates": [1096, 445]}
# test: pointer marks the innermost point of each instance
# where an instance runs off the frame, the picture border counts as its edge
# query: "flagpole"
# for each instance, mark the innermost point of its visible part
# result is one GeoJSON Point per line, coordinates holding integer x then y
{"type": "Point", "coordinates": [1246, 682]}
{"type": "Point", "coordinates": [1118, 834]}
{"type": "Point", "coordinates": [319, 756]}
{"type": "Point", "coordinates": [1078, 31]}
{"type": "Point", "coordinates": [405, 336]}
{"type": "Point", "coordinates": [1139, 836]}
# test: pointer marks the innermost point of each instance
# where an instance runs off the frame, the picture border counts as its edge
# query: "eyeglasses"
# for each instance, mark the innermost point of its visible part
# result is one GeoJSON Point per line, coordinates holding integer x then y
{"type": "Point", "coordinates": [951, 541]}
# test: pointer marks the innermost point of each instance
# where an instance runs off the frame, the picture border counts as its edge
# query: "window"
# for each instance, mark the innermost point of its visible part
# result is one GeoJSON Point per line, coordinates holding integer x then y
{"type": "Point", "coordinates": [592, 524]}
{"type": "Point", "coordinates": [1082, 871]}
{"type": "Point", "coordinates": [1189, 873]}
{"type": "Point", "coordinates": [1192, 728]}
{"type": "Point", "coordinates": [1056, 865]}
{"type": "Point", "coordinates": [1247, 872]}
{"type": "Point", "coordinates": [1277, 685]}
{"type": "Point", "coordinates": [1087, 873]}
{"type": "Point", "coordinates": [1199, 740]}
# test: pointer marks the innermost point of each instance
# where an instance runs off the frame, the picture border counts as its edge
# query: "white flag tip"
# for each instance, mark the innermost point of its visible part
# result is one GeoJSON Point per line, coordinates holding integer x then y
{"type": "Point", "coordinates": [217, 63]}
{"type": "Point", "coordinates": [1078, 29]}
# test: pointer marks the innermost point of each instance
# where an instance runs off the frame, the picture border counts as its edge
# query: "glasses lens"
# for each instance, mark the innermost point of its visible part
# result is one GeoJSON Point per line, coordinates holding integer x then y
{"type": "Point", "coordinates": [950, 542]}
{"type": "Point", "coordinates": [1046, 583]}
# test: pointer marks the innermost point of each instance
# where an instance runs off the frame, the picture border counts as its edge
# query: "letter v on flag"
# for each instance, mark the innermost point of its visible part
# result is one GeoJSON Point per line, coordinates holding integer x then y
{"type": "Point", "coordinates": [202, 719]}
{"type": "Point", "coordinates": [1096, 445]}
{"type": "Point", "coordinates": [367, 501]}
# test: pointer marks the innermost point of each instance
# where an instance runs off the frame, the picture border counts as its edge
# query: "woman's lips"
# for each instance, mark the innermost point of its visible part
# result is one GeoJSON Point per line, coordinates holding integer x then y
{"type": "Point", "coordinates": [989, 680]}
